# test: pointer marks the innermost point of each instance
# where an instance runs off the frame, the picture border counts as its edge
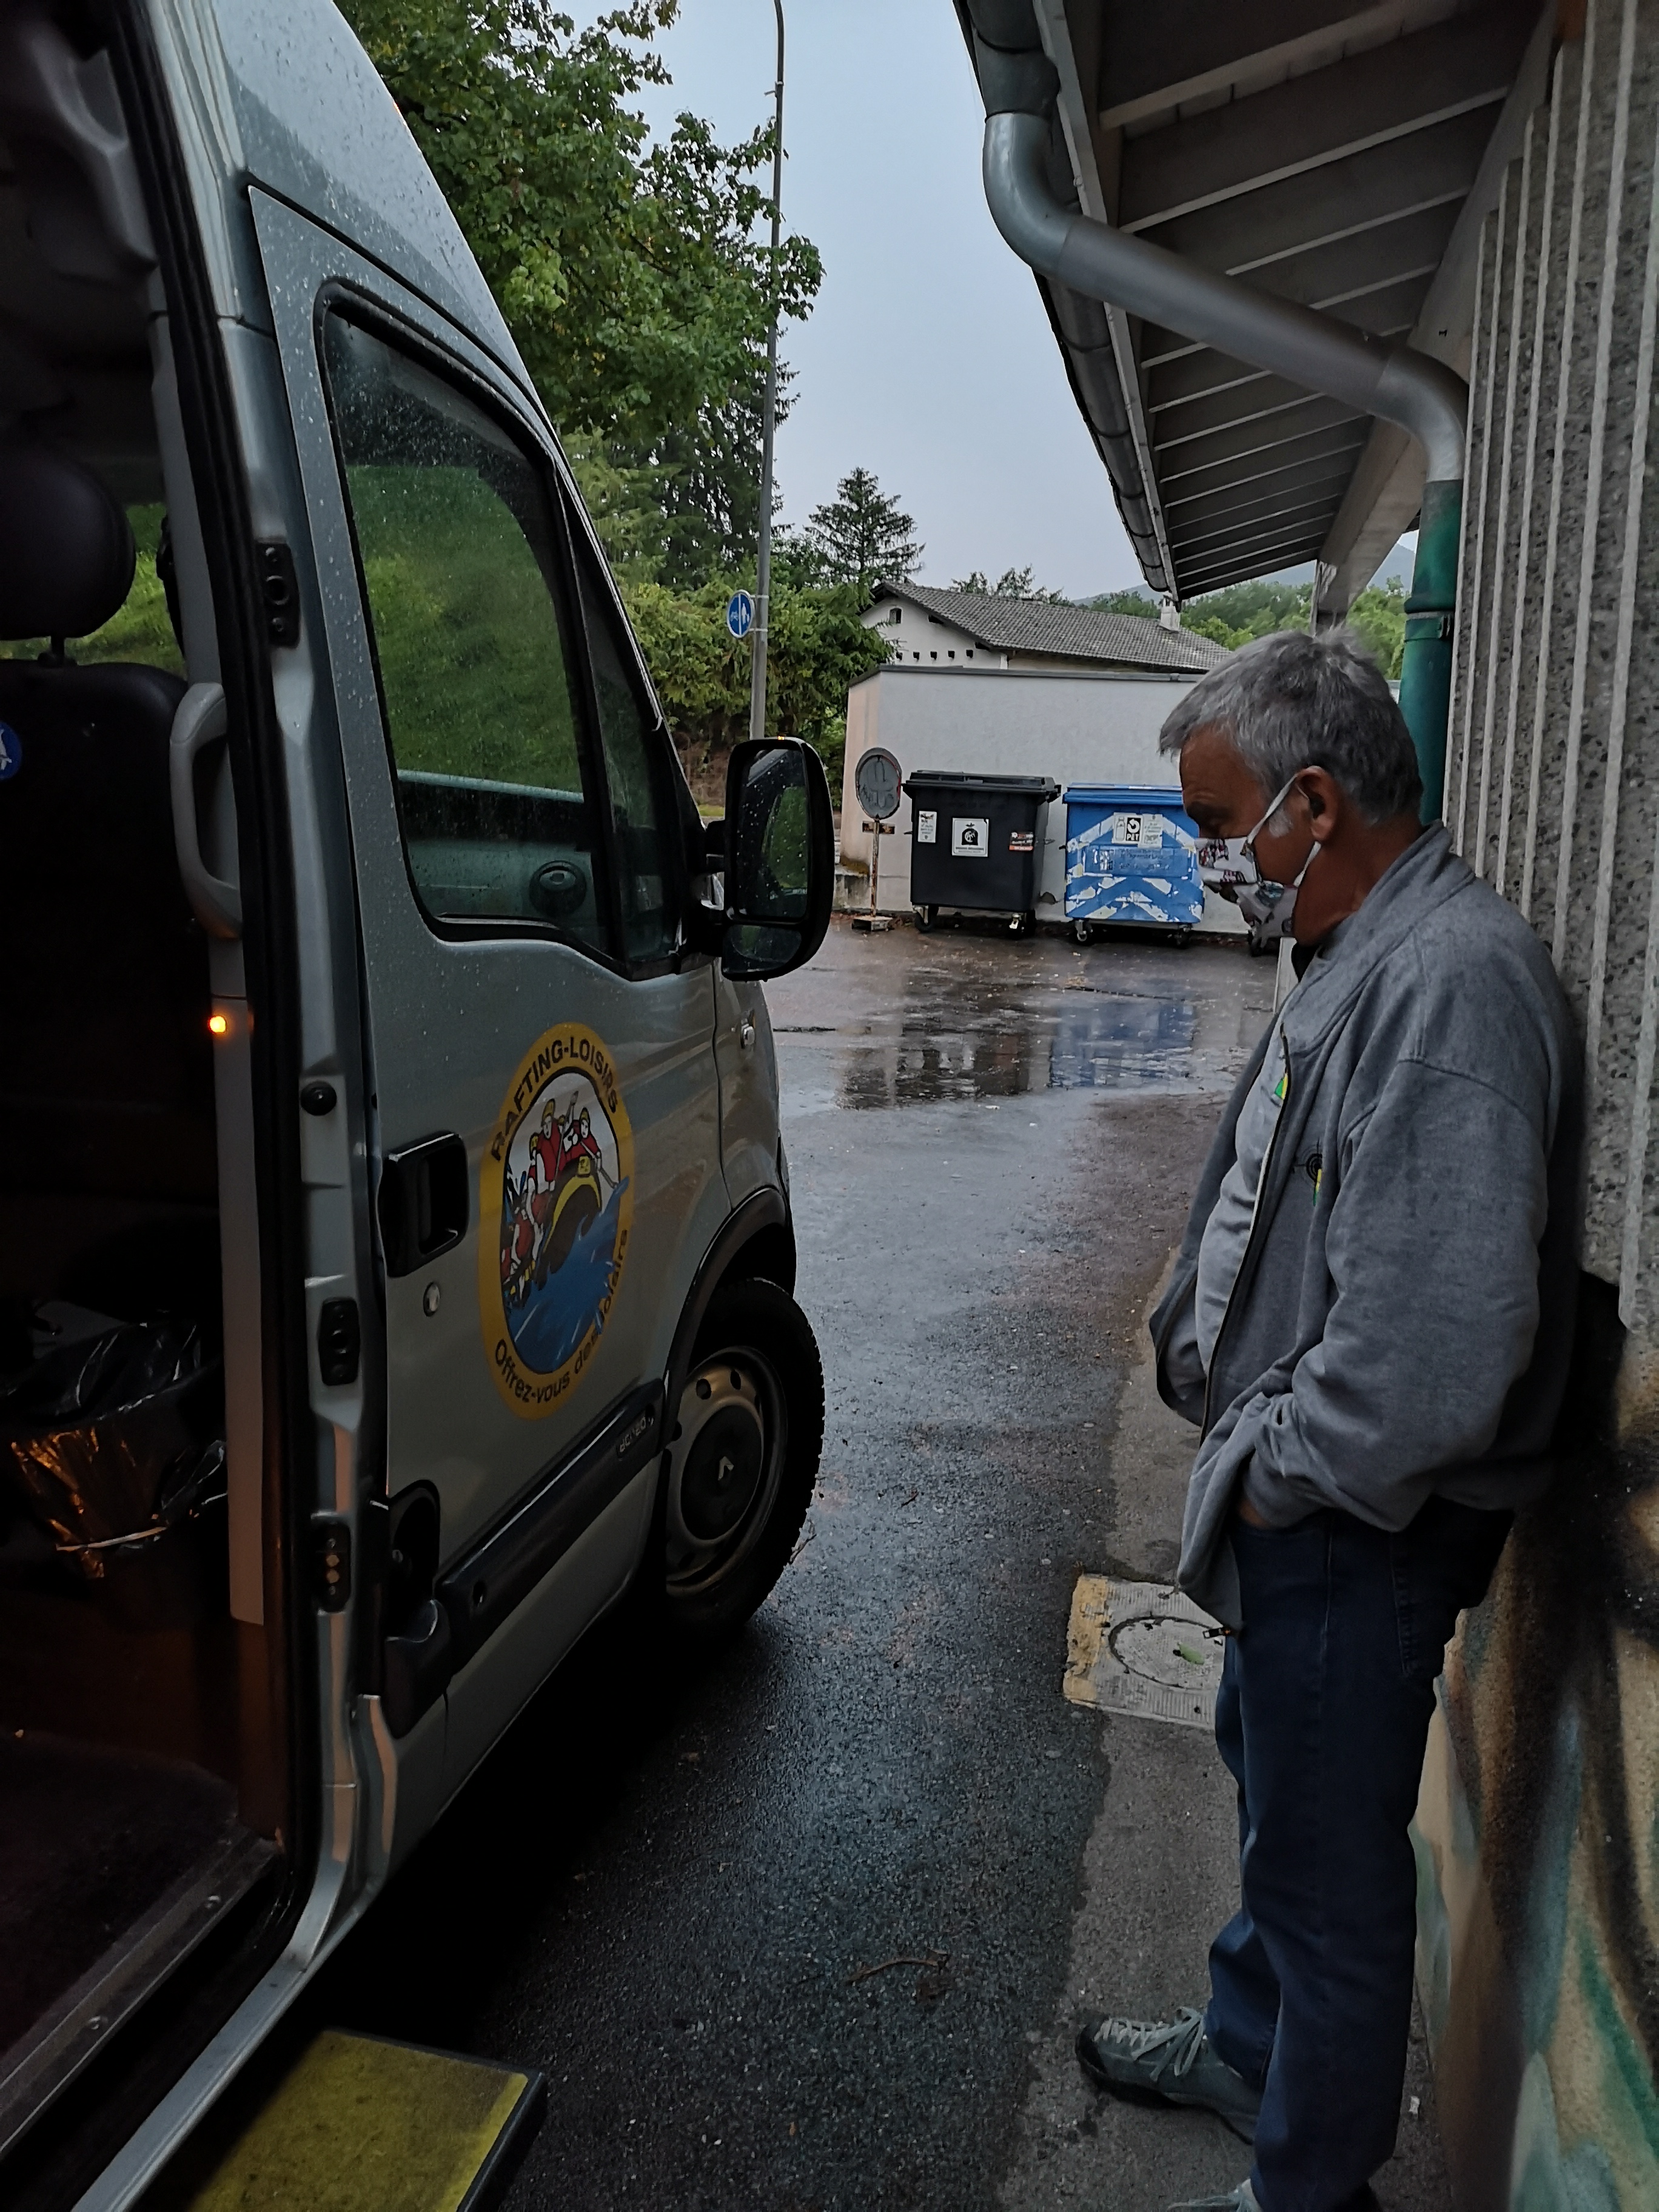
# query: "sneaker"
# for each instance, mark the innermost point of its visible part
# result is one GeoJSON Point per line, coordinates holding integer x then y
{"type": "Point", "coordinates": [1169, 2063]}
{"type": "Point", "coordinates": [1242, 2199]}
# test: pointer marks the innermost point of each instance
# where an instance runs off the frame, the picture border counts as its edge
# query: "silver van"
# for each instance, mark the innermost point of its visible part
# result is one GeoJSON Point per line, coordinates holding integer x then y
{"type": "Point", "coordinates": [396, 1254]}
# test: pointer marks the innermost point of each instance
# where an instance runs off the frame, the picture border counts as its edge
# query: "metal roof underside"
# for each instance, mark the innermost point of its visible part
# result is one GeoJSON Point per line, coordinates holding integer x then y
{"type": "Point", "coordinates": [1338, 155]}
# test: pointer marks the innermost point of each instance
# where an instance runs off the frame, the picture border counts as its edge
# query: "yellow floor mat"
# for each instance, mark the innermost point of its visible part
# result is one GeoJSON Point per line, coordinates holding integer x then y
{"type": "Point", "coordinates": [357, 2124]}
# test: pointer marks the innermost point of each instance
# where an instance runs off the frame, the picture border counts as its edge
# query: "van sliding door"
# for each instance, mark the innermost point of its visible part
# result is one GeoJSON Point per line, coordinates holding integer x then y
{"type": "Point", "coordinates": [541, 1083]}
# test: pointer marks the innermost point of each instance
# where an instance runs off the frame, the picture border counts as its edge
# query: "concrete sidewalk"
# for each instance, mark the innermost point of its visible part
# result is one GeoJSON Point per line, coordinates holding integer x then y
{"type": "Point", "coordinates": [809, 1929]}
{"type": "Point", "coordinates": [1160, 1875]}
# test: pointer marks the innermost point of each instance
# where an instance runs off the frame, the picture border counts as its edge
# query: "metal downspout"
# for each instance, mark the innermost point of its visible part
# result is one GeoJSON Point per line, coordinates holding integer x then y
{"type": "Point", "coordinates": [1314, 351]}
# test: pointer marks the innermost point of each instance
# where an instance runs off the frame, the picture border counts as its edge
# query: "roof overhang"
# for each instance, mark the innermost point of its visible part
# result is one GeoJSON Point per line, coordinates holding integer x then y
{"type": "Point", "coordinates": [1343, 156]}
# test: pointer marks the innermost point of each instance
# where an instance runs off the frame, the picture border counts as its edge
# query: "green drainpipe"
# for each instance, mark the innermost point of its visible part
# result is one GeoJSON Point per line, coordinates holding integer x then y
{"type": "Point", "coordinates": [1426, 671]}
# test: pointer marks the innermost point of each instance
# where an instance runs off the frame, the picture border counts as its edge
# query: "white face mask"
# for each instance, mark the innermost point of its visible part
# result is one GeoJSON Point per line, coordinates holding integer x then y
{"type": "Point", "coordinates": [1227, 865]}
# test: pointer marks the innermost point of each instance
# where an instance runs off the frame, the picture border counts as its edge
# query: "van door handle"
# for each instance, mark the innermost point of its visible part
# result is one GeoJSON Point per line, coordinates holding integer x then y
{"type": "Point", "coordinates": [216, 901]}
{"type": "Point", "coordinates": [423, 1201]}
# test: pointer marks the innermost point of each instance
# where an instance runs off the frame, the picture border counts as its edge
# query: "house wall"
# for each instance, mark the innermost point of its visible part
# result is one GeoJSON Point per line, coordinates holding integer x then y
{"type": "Point", "coordinates": [1075, 727]}
{"type": "Point", "coordinates": [1538, 1830]}
{"type": "Point", "coordinates": [922, 640]}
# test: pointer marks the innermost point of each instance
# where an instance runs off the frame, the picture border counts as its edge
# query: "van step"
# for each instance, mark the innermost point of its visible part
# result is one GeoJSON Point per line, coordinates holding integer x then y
{"type": "Point", "coordinates": [360, 2125]}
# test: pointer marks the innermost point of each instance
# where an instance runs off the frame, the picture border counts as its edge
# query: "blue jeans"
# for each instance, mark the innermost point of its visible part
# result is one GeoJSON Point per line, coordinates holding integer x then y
{"type": "Point", "coordinates": [1322, 1719]}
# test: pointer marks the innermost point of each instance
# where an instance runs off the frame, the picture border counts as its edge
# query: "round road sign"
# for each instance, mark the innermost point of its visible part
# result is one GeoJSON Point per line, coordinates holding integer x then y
{"type": "Point", "coordinates": [739, 614]}
{"type": "Point", "coordinates": [877, 782]}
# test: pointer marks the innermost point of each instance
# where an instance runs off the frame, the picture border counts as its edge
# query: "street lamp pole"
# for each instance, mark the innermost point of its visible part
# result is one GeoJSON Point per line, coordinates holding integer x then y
{"type": "Point", "coordinates": [768, 428]}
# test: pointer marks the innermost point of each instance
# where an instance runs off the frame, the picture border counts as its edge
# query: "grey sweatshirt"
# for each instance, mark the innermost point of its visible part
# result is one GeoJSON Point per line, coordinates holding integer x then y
{"type": "Point", "coordinates": [1402, 1321]}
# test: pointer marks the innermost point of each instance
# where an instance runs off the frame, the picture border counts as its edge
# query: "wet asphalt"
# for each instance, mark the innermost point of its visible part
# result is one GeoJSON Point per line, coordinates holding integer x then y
{"type": "Point", "coordinates": [788, 1933]}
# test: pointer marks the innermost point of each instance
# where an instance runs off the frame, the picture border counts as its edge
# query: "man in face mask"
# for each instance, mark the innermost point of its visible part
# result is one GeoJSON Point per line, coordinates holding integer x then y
{"type": "Point", "coordinates": [1370, 1322]}
{"type": "Point", "coordinates": [1227, 863]}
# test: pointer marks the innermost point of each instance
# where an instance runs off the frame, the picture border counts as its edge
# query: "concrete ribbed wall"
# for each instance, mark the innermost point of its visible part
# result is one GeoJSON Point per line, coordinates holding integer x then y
{"type": "Point", "coordinates": [1539, 1828]}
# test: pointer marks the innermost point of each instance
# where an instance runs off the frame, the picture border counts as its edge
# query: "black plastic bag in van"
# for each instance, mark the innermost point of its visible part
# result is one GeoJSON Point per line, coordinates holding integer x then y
{"type": "Point", "coordinates": [115, 1439]}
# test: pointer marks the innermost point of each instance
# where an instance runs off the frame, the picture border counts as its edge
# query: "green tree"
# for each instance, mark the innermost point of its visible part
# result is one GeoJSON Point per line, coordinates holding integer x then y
{"type": "Point", "coordinates": [861, 534]}
{"type": "Point", "coordinates": [797, 559]}
{"type": "Point", "coordinates": [629, 272]}
{"type": "Point", "coordinates": [1011, 584]}
{"type": "Point", "coordinates": [1241, 611]}
{"type": "Point", "coordinates": [1379, 615]}
{"type": "Point", "coordinates": [1137, 601]}
{"type": "Point", "coordinates": [818, 647]}
{"type": "Point", "coordinates": [1244, 612]}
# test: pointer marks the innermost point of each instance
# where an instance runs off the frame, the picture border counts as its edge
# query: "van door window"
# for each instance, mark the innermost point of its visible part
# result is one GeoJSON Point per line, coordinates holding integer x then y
{"type": "Point", "coordinates": [644, 819]}
{"type": "Point", "coordinates": [456, 539]}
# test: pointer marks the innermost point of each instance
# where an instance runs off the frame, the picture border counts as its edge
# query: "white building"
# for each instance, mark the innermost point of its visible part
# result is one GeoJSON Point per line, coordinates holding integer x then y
{"type": "Point", "coordinates": [994, 686]}
{"type": "Point", "coordinates": [984, 630]}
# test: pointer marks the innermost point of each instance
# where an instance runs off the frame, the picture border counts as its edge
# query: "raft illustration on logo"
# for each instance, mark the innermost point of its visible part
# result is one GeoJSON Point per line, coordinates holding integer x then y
{"type": "Point", "coordinates": [554, 1205]}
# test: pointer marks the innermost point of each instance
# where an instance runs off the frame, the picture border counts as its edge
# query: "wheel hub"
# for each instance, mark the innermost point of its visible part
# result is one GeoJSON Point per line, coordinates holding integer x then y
{"type": "Point", "coordinates": [723, 1466]}
{"type": "Point", "coordinates": [723, 1469]}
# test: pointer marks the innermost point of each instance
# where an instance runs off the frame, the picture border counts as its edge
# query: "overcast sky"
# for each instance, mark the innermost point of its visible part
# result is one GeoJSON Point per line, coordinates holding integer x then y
{"type": "Point", "coordinates": [928, 357]}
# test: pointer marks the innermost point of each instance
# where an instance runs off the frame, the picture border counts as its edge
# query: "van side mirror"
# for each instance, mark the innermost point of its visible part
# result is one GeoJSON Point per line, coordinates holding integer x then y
{"type": "Point", "coordinates": [780, 856]}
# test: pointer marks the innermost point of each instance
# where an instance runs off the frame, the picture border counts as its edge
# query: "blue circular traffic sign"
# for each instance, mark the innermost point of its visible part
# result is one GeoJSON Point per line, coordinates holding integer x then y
{"type": "Point", "coordinates": [739, 614]}
{"type": "Point", "coordinates": [11, 752]}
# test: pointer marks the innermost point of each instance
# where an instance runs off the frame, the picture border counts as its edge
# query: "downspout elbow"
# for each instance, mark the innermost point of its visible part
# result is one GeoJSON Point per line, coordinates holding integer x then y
{"type": "Point", "coordinates": [1315, 350]}
{"type": "Point", "coordinates": [1312, 350]}
{"type": "Point", "coordinates": [1016, 191]}
{"type": "Point", "coordinates": [1422, 395]}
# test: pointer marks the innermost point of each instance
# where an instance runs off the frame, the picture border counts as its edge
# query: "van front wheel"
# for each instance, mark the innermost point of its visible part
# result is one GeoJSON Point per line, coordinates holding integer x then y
{"type": "Point", "coordinates": [743, 1457]}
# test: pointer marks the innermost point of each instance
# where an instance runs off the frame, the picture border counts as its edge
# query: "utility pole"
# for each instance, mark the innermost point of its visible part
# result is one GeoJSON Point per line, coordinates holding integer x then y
{"type": "Point", "coordinates": [768, 428]}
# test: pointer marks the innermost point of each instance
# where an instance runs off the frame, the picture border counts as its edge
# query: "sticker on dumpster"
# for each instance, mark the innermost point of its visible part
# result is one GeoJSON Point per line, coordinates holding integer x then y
{"type": "Point", "coordinates": [970, 837]}
{"type": "Point", "coordinates": [926, 828]}
{"type": "Point", "coordinates": [1022, 841]}
{"type": "Point", "coordinates": [1132, 864]}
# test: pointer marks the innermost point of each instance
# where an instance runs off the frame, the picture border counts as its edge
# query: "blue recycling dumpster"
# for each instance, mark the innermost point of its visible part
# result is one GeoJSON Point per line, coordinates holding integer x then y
{"type": "Point", "coordinates": [1130, 856]}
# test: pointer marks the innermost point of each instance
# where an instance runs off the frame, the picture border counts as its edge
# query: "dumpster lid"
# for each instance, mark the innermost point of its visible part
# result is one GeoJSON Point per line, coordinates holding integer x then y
{"type": "Point", "coordinates": [1033, 787]}
{"type": "Point", "coordinates": [1126, 794]}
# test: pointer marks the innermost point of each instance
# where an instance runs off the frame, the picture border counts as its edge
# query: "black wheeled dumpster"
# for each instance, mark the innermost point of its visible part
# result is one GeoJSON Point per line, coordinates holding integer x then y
{"type": "Point", "coordinates": [975, 842]}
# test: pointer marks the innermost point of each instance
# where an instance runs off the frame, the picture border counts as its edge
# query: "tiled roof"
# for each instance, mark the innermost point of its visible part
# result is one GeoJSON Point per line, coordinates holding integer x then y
{"type": "Point", "coordinates": [1065, 633]}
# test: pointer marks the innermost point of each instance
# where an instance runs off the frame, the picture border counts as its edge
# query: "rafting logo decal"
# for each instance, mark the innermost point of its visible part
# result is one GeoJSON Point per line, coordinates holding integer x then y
{"type": "Point", "coordinates": [554, 1205]}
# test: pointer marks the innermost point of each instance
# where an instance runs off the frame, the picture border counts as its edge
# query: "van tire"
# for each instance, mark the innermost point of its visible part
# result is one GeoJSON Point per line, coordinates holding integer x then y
{"type": "Point", "coordinates": [756, 1385]}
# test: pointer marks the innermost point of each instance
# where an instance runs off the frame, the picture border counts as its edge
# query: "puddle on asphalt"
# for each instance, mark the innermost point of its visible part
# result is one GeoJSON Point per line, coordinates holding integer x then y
{"type": "Point", "coordinates": [1141, 1044]}
{"type": "Point", "coordinates": [1101, 1043]}
{"type": "Point", "coordinates": [959, 1029]}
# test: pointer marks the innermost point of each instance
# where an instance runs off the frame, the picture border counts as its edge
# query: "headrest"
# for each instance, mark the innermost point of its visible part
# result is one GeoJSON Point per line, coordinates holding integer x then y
{"type": "Point", "coordinates": [66, 554]}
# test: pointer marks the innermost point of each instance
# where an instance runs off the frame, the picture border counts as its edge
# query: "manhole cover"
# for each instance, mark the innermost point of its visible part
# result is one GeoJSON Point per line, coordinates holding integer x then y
{"type": "Point", "coordinates": [1165, 1648]}
{"type": "Point", "coordinates": [1142, 1648]}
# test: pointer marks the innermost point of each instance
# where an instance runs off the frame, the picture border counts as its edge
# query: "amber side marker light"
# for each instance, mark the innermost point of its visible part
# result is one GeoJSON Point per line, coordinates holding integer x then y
{"type": "Point", "coordinates": [219, 1025]}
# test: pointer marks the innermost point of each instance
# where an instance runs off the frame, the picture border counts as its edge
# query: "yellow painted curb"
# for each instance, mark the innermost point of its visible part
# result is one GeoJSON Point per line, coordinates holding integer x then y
{"type": "Point", "coordinates": [1091, 1603]}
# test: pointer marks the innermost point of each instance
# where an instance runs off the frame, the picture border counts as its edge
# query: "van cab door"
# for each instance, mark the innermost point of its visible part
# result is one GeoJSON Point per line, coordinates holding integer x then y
{"type": "Point", "coordinates": [539, 1056]}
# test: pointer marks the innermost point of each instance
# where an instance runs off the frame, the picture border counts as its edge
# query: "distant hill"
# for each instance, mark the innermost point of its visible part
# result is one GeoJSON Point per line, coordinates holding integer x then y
{"type": "Point", "coordinates": [1398, 566]}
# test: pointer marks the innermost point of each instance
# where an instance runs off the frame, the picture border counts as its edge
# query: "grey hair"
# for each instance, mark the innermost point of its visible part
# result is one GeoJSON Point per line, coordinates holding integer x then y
{"type": "Point", "coordinates": [1292, 701]}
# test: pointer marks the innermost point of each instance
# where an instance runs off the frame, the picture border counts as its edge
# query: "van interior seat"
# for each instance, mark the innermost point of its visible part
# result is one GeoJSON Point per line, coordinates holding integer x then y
{"type": "Point", "coordinates": [106, 1120]}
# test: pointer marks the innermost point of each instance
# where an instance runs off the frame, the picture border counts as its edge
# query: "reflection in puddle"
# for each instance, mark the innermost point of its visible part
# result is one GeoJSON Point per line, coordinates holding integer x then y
{"type": "Point", "coordinates": [919, 1070]}
{"type": "Point", "coordinates": [1118, 1044]}
{"type": "Point", "coordinates": [1102, 1044]}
